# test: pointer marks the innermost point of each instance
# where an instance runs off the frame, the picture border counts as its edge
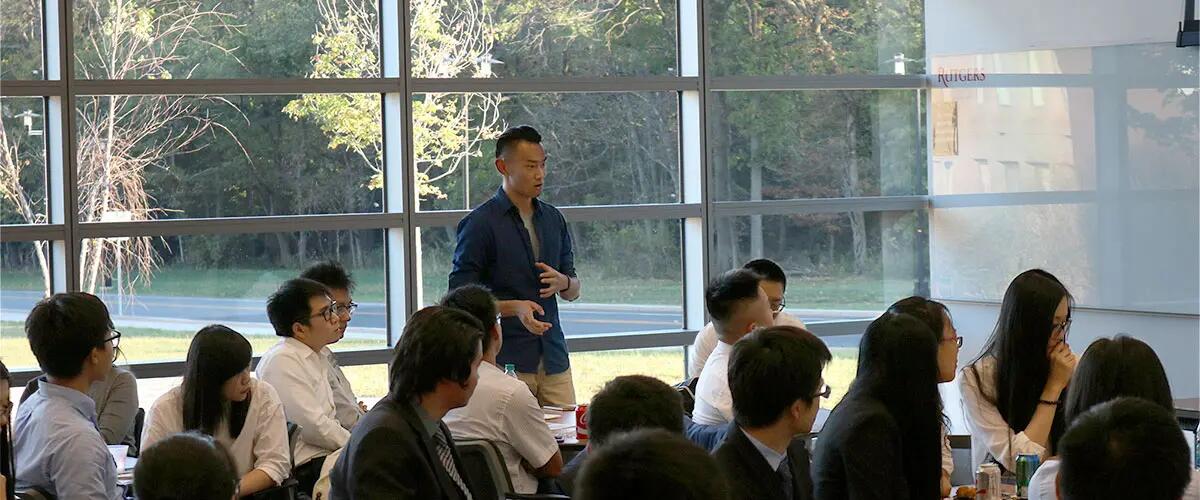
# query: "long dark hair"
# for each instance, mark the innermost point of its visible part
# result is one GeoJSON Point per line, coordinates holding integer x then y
{"type": "Point", "coordinates": [1112, 368]}
{"type": "Point", "coordinates": [1019, 346]}
{"type": "Point", "coordinates": [930, 311]}
{"type": "Point", "coordinates": [898, 366]}
{"type": "Point", "coordinates": [217, 354]}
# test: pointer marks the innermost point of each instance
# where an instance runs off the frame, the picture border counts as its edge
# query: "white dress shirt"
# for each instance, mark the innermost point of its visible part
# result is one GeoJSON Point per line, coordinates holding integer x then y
{"type": "Point", "coordinates": [706, 341]}
{"type": "Point", "coordinates": [1044, 483]}
{"type": "Point", "coordinates": [300, 375]}
{"type": "Point", "coordinates": [503, 410]}
{"type": "Point", "coordinates": [990, 434]}
{"type": "Point", "coordinates": [714, 403]}
{"type": "Point", "coordinates": [344, 400]}
{"type": "Point", "coordinates": [262, 444]}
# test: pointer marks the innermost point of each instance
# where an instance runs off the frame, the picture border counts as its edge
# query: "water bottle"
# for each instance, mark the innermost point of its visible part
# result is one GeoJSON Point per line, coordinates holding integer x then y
{"type": "Point", "coordinates": [510, 370]}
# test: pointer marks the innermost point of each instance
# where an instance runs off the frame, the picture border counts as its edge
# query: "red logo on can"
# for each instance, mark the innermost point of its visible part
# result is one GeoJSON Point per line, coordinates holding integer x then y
{"type": "Point", "coordinates": [581, 422]}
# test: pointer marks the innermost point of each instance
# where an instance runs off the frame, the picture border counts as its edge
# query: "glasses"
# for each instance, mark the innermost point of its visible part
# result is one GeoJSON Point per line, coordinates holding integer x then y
{"type": "Point", "coordinates": [1064, 328]}
{"type": "Point", "coordinates": [778, 308]}
{"type": "Point", "coordinates": [824, 392]}
{"type": "Point", "coordinates": [346, 310]}
{"type": "Point", "coordinates": [115, 338]}
{"type": "Point", "coordinates": [957, 341]}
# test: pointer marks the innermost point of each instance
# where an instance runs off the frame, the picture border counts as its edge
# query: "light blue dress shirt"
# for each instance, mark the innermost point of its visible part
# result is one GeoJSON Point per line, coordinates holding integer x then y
{"type": "Point", "coordinates": [58, 449]}
{"type": "Point", "coordinates": [773, 458]}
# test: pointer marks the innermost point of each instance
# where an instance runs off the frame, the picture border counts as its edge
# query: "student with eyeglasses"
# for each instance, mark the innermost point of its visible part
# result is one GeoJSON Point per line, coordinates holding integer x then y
{"type": "Point", "coordinates": [775, 379]}
{"type": "Point", "coordinates": [304, 314]}
{"type": "Point", "coordinates": [1011, 393]}
{"type": "Point", "coordinates": [219, 398]}
{"type": "Point", "coordinates": [882, 439]}
{"type": "Point", "coordinates": [341, 284]}
{"type": "Point", "coordinates": [937, 316]}
{"type": "Point", "coordinates": [774, 283]}
{"type": "Point", "coordinates": [57, 447]}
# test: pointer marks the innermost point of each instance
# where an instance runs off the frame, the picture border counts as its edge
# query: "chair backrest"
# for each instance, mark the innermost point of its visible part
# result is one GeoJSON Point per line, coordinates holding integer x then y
{"type": "Point", "coordinates": [33, 494]}
{"type": "Point", "coordinates": [293, 432]}
{"type": "Point", "coordinates": [687, 395]}
{"type": "Point", "coordinates": [139, 422]}
{"type": "Point", "coordinates": [484, 468]}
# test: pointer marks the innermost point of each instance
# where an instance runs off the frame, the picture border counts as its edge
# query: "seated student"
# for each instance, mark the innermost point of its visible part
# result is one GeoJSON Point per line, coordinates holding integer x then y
{"type": "Point", "coordinates": [116, 400]}
{"type": "Point", "coordinates": [1011, 392]}
{"type": "Point", "coordinates": [185, 466]}
{"type": "Point", "coordinates": [882, 440]}
{"type": "Point", "coordinates": [218, 398]}
{"type": "Point", "coordinates": [774, 283]}
{"type": "Point", "coordinates": [57, 447]}
{"type": "Point", "coordinates": [306, 316]}
{"type": "Point", "coordinates": [1125, 448]}
{"type": "Point", "coordinates": [502, 409]}
{"type": "Point", "coordinates": [935, 314]}
{"type": "Point", "coordinates": [651, 463]}
{"type": "Point", "coordinates": [625, 403]}
{"type": "Point", "coordinates": [6, 461]}
{"type": "Point", "coordinates": [401, 449]}
{"type": "Point", "coordinates": [340, 284]}
{"type": "Point", "coordinates": [1109, 369]}
{"type": "Point", "coordinates": [775, 378]}
{"type": "Point", "coordinates": [737, 304]}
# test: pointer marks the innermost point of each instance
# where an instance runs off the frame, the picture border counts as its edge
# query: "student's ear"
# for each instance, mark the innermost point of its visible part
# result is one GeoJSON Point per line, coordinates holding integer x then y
{"type": "Point", "coordinates": [298, 329]}
{"type": "Point", "coordinates": [501, 167]}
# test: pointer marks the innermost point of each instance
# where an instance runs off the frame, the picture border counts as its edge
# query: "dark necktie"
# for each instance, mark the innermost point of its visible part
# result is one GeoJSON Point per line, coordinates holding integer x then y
{"type": "Point", "coordinates": [447, 459]}
{"type": "Point", "coordinates": [785, 477]}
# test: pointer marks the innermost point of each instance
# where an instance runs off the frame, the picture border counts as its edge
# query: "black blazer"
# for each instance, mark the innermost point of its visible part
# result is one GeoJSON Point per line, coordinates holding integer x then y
{"type": "Point", "coordinates": [390, 456]}
{"type": "Point", "coordinates": [858, 454]}
{"type": "Point", "coordinates": [749, 475]}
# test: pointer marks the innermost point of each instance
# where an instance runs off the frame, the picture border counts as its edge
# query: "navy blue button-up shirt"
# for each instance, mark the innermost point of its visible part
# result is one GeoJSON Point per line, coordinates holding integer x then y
{"type": "Point", "coordinates": [494, 250]}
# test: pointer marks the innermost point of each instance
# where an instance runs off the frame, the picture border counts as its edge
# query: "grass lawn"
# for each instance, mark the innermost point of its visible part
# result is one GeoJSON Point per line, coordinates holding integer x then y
{"type": "Point", "coordinates": [834, 292]}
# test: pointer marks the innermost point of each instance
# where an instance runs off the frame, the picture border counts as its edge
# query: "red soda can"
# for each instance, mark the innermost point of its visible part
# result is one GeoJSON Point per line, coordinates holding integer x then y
{"type": "Point", "coordinates": [581, 422]}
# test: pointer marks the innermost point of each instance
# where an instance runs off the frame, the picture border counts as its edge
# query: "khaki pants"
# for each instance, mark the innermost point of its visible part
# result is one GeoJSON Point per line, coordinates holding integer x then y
{"type": "Point", "coordinates": [550, 390]}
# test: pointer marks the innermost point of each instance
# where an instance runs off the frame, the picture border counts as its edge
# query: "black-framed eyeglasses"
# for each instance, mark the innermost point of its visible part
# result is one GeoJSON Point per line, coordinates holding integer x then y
{"type": "Point", "coordinates": [114, 337]}
{"type": "Point", "coordinates": [1064, 327]}
{"type": "Point", "coordinates": [778, 308]}
{"type": "Point", "coordinates": [957, 341]}
{"type": "Point", "coordinates": [825, 393]}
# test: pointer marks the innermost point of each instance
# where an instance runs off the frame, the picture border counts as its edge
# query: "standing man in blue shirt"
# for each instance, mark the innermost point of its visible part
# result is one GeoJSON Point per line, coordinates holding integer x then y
{"type": "Point", "coordinates": [57, 446]}
{"type": "Point", "coordinates": [520, 248]}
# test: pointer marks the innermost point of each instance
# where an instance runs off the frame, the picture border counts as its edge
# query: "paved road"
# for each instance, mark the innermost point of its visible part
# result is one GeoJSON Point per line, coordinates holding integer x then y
{"type": "Point", "coordinates": [369, 320]}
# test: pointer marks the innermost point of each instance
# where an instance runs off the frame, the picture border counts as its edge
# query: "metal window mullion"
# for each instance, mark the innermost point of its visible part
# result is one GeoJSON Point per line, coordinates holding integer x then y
{"type": "Point", "coordinates": [662, 211]}
{"type": "Point", "coordinates": [820, 205]}
{"type": "Point", "coordinates": [412, 248]}
{"type": "Point", "coordinates": [240, 225]}
{"type": "Point", "coordinates": [237, 86]}
{"type": "Point", "coordinates": [816, 82]}
{"type": "Point", "coordinates": [62, 164]}
{"type": "Point", "coordinates": [395, 180]}
{"type": "Point", "coordinates": [32, 88]}
{"type": "Point", "coordinates": [32, 232]}
{"type": "Point", "coordinates": [566, 84]}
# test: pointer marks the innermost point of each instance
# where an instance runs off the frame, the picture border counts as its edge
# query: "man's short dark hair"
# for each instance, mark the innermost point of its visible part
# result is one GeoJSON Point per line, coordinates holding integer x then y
{"type": "Point", "coordinates": [771, 369]}
{"type": "Point", "coordinates": [768, 269]}
{"type": "Point", "coordinates": [64, 328]}
{"type": "Point", "coordinates": [725, 292]}
{"type": "Point", "coordinates": [510, 137]}
{"type": "Point", "coordinates": [331, 274]}
{"type": "Point", "coordinates": [188, 465]}
{"type": "Point", "coordinates": [1125, 448]}
{"type": "Point", "coordinates": [477, 301]}
{"type": "Point", "coordinates": [289, 304]}
{"type": "Point", "coordinates": [633, 402]}
{"type": "Point", "coordinates": [651, 463]}
{"type": "Point", "coordinates": [438, 343]}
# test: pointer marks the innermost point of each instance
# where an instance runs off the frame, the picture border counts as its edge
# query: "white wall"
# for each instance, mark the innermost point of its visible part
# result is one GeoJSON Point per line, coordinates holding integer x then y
{"type": "Point", "coordinates": [1176, 339]}
{"type": "Point", "coordinates": [988, 26]}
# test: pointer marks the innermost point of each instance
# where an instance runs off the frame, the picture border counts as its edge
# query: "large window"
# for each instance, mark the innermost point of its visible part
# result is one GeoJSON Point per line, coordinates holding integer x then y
{"type": "Point", "coordinates": [181, 159]}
